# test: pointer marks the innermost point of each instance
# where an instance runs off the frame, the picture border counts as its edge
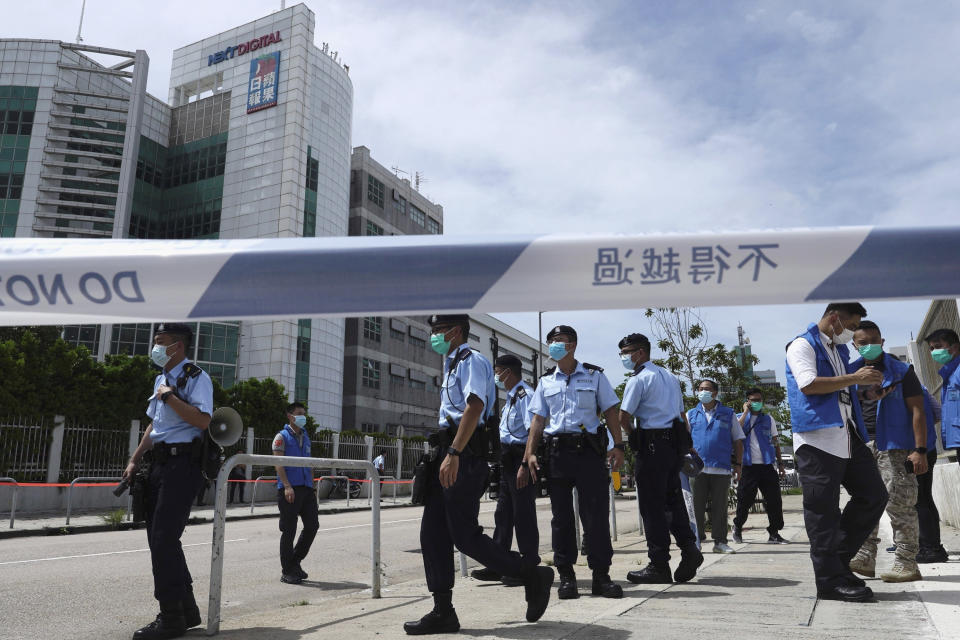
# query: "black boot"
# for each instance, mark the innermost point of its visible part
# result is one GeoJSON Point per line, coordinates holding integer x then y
{"type": "Point", "coordinates": [690, 561]}
{"type": "Point", "coordinates": [604, 586]}
{"type": "Point", "coordinates": [537, 582]}
{"type": "Point", "coordinates": [191, 612]}
{"type": "Point", "coordinates": [485, 574]}
{"type": "Point", "coordinates": [651, 574]}
{"type": "Point", "coordinates": [443, 618]}
{"type": "Point", "coordinates": [568, 583]}
{"type": "Point", "coordinates": [169, 624]}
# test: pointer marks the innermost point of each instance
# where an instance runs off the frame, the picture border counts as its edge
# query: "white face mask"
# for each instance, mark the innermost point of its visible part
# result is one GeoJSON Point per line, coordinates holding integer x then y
{"type": "Point", "coordinates": [843, 337]}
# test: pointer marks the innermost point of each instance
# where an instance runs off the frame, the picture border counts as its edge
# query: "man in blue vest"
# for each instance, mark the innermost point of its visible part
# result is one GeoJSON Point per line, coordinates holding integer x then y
{"type": "Point", "coordinates": [895, 416]}
{"type": "Point", "coordinates": [296, 496]}
{"type": "Point", "coordinates": [759, 453]}
{"type": "Point", "coordinates": [716, 437]}
{"type": "Point", "coordinates": [830, 449]}
{"type": "Point", "coordinates": [945, 350]}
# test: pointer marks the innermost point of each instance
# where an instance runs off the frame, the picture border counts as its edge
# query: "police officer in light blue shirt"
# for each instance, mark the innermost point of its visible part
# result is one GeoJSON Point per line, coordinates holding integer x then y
{"type": "Point", "coordinates": [566, 409]}
{"type": "Point", "coordinates": [516, 507]}
{"type": "Point", "coordinates": [652, 413]}
{"type": "Point", "coordinates": [180, 410]}
{"type": "Point", "coordinates": [452, 501]}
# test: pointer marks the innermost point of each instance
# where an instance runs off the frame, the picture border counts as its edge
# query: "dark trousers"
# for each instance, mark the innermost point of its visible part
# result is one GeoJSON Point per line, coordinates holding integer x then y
{"type": "Point", "coordinates": [173, 486]}
{"type": "Point", "coordinates": [304, 506]}
{"type": "Point", "coordinates": [662, 507]}
{"type": "Point", "coordinates": [584, 469]}
{"type": "Point", "coordinates": [927, 513]}
{"type": "Point", "coordinates": [834, 536]}
{"type": "Point", "coordinates": [716, 486]}
{"type": "Point", "coordinates": [450, 519]}
{"type": "Point", "coordinates": [236, 486]}
{"type": "Point", "coordinates": [765, 478]}
{"type": "Point", "coordinates": [516, 508]}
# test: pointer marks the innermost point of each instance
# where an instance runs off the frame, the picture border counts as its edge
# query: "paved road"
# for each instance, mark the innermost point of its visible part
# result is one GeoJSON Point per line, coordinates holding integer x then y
{"type": "Point", "coordinates": [98, 585]}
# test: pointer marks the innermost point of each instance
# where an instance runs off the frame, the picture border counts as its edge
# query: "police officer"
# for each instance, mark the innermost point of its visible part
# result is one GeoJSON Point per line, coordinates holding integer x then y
{"type": "Point", "coordinates": [515, 507]}
{"type": "Point", "coordinates": [660, 439]}
{"type": "Point", "coordinates": [828, 439]}
{"type": "Point", "coordinates": [565, 409]}
{"type": "Point", "coordinates": [452, 502]}
{"type": "Point", "coordinates": [716, 435]}
{"type": "Point", "coordinates": [180, 410]}
{"type": "Point", "coordinates": [296, 495]}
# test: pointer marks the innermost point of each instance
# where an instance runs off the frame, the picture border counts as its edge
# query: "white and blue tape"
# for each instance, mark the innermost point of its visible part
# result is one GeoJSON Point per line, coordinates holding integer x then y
{"type": "Point", "coordinates": [55, 281]}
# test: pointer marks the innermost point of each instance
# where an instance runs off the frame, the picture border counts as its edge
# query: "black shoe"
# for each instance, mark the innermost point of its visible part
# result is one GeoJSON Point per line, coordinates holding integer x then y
{"type": "Point", "coordinates": [291, 578]}
{"type": "Point", "coordinates": [690, 561]}
{"type": "Point", "coordinates": [776, 538]}
{"type": "Point", "coordinates": [537, 584]}
{"type": "Point", "coordinates": [603, 586]}
{"type": "Point", "coordinates": [928, 556]}
{"type": "Point", "coordinates": [568, 588]}
{"type": "Point", "coordinates": [892, 548]}
{"type": "Point", "coordinates": [434, 622]}
{"type": "Point", "coordinates": [511, 581]}
{"type": "Point", "coordinates": [298, 571]}
{"type": "Point", "coordinates": [652, 574]}
{"type": "Point", "coordinates": [737, 534]}
{"type": "Point", "coordinates": [487, 575]}
{"type": "Point", "coordinates": [847, 593]}
{"type": "Point", "coordinates": [168, 624]}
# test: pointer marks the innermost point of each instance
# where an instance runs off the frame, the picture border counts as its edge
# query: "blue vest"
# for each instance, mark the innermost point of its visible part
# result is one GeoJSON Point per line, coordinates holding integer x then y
{"type": "Point", "coordinates": [763, 427]}
{"type": "Point", "coordinates": [950, 399]}
{"type": "Point", "coordinates": [821, 411]}
{"type": "Point", "coordinates": [298, 476]}
{"type": "Point", "coordinates": [894, 418]}
{"type": "Point", "coordinates": [712, 439]}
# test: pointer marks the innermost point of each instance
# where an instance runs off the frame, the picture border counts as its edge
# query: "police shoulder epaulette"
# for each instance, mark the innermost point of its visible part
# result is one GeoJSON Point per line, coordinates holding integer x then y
{"type": "Point", "coordinates": [549, 371]}
{"type": "Point", "coordinates": [191, 370]}
{"type": "Point", "coordinates": [636, 371]}
{"type": "Point", "coordinates": [592, 367]}
{"type": "Point", "coordinates": [521, 393]}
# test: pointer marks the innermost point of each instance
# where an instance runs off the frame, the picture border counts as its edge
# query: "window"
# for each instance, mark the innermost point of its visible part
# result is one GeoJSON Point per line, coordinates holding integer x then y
{"type": "Point", "coordinates": [418, 216]}
{"type": "Point", "coordinates": [398, 335]}
{"type": "Point", "coordinates": [400, 206]}
{"type": "Point", "coordinates": [417, 342]}
{"type": "Point", "coordinates": [369, 427]}
{"type": "Point", "coordinates": [132, 339]}
{"type": "Point", "coordinates": [83, 335]}
{"type": "Point", "coordinates": [372, 328]}
{"type": "Point", "coordinates": [433, 226]}
{"type": "Point", "coordinates": [301, 381]}
{"type": "Point", "coordinates": [396, 380]}
{"type": "Point", "coordinates": [370, 373]}
{"type": "Point", "coordinates": [374, 191]}
{"type": "Point", "coordinates": [373, 229]}
{"type": "Point", "coordinates": [417, 384]}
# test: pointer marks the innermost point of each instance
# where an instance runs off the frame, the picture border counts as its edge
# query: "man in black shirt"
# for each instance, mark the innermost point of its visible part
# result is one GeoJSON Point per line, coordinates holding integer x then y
{"type": "Point", "coordinates": [896, 422]}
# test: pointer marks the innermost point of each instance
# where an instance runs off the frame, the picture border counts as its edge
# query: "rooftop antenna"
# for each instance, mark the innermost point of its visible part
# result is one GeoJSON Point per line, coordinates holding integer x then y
{"type": "Point", "coordinates": [740, 335]}
{"type": "Point", "coordinates": [418, 179]}
{"type": "Point", "coordinates": [397, 171]}
{"type": "Point", "coordinates": [80, 26]}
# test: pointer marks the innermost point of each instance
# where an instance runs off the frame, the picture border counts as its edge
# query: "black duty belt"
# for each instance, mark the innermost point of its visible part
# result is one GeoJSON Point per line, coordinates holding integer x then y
{"type": "Point", "coordinates": [517, 449]}
{"type": "Point", "coordinates": [657, 434]}
{"type": "Point", "coordinates": [163, 451]}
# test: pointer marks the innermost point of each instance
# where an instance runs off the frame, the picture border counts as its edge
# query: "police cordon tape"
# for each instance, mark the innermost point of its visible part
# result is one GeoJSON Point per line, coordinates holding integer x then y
{"type": "Point", "coordinates": [61, 281]}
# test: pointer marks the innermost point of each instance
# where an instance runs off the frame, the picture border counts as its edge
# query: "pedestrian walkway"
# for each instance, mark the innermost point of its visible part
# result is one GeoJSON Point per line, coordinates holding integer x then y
{"type": "Point", "coordinates": [762, 591]}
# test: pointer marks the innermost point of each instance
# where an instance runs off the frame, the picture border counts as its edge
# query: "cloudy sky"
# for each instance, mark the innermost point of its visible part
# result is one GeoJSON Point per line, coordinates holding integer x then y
{"type": "Point", "coordinates": [633, 116]}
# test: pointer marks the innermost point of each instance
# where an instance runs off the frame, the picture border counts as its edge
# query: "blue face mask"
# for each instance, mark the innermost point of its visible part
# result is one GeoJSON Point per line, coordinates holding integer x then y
{"type": "Point", "coordinates": [627, 360]}
{"type": "Point", "coordinates": [705, 396]}
{"type": "Point", "coordinates": [497, 381]}
{"type": "Point", "coordinates": [871, 351]}
{"type": "Point", "coordinates": [159, 355]}
{"type": "Point", "coordinates": [558, 350]}
{"type": "Point", "coordinates": [941, 356]}
{"type": "Point", "coordinates": [300, 421]}
{"type": "Point", "coordinates": [439, 343]}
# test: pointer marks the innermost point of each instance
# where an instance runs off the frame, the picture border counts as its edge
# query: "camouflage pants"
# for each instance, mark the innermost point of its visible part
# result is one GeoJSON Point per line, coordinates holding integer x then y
{"type": "Point", "coordinates": [901, 507]}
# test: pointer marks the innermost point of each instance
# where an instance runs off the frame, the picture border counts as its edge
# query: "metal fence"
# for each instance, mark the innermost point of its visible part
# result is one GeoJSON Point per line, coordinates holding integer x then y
{"type": "Point", "coordinates": [93, 451]}
{"type": "Point", "coordinates": [24, 444]}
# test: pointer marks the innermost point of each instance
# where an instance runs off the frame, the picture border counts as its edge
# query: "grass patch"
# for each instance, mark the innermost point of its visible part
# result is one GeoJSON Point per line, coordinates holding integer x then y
{"type": "Point", "coordinates": [114, 518]}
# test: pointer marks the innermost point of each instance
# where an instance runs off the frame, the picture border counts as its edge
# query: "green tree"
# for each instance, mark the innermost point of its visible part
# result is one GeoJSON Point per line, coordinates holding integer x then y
{"type": "Point", "coordinates": [680, 334]}
{"type": "Point", "coordinates": [262, 404]}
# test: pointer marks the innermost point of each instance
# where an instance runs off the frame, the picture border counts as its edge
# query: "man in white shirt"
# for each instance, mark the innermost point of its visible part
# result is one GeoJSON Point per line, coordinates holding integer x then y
{"type": "Point", "coordinates": [828, 439]}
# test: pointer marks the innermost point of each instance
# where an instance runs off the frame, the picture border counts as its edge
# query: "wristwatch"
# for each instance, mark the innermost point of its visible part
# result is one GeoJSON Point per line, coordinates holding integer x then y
{"type": "Point", "coordinates": [452, 452]}
{"type": "Point", "coordinates": [165, 395]}
{"type": "Point", "coordinates": [922, 450]}
{"type": "Point", "coordinates": [620, 446]}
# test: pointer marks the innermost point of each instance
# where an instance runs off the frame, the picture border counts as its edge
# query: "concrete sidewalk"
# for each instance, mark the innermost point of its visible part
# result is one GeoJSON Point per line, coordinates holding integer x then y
{"type": "Point", "coordinates": [761, 591]}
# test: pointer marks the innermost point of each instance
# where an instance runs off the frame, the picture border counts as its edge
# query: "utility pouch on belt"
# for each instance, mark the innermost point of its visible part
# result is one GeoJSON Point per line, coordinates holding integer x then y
{"type": "Point", "coordinates": [480, 444]}
{"type": "Point", "coordinates": [425, 471]}
{"type": "Point", "coordinates": [682, 437]}
{"type": "Point", "coordinates": [633, 440]}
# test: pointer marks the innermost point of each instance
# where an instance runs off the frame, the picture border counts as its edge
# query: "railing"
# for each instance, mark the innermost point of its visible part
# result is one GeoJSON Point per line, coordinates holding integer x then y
{"type": "Point", "coordinates": [13, 500]}
{"type": "Point", "coordinates": [253, 492]}
{"type": "Point", "coordinates": [75, 481]}
{"type": "Point", "coordinates": [346, 480]}
{"type": "Point", "coordinates": [220, 521]}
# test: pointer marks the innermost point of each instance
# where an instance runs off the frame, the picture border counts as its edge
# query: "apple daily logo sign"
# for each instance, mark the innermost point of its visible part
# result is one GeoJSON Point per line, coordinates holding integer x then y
{"type": "Point", "coordinates": [243, 47]}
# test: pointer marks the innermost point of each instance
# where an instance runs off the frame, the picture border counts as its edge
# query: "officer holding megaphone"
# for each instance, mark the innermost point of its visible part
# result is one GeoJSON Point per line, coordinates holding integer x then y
{"type": "Point", "coordinates": [180, 411]}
